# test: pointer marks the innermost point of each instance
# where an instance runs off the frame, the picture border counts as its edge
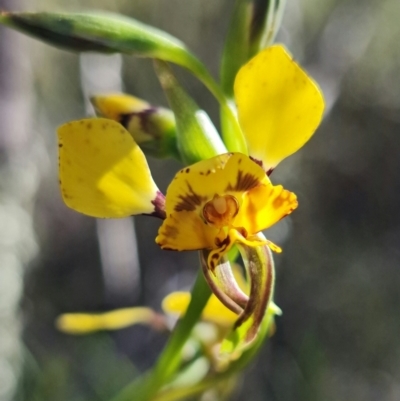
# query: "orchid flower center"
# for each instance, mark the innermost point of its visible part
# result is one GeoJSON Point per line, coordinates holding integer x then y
{"type": "Point", "coordinates": [221, 210]}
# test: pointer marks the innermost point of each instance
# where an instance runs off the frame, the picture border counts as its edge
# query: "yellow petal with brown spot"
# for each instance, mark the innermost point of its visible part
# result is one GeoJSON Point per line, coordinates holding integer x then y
{"type": "Point", "coordinates": [279, 105]}
{"type": "Point", "coordinates": [186, 231]}
{"type": "Point", "coordinates": [226, 174]}
{"type": "Point", "coordinates": [264, 206]}
{"type": "Point", "coordinates": [103, 172]}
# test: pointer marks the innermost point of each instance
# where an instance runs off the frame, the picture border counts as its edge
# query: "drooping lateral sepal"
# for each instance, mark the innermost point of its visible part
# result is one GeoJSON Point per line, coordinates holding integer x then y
{"type": "Point", "coordinates": [152, 127]}
{"type": "Point", "coordinates": [87, 323]}
{"type": "Point", "coordinates": [103, 172]}
{"type": "Point", "coordinates": [260, 268]}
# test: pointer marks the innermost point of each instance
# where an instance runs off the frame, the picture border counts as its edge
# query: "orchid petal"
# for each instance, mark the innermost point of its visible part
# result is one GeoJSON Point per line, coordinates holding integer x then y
{"type": "Point", "coordinates": [279, 105]}
{"type": "Point", "coordinates": [103, 172]}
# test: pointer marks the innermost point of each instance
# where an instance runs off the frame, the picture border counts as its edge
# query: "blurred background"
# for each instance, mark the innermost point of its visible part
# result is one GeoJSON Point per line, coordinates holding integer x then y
{"type": "Point", "coordinates": [338, 278]}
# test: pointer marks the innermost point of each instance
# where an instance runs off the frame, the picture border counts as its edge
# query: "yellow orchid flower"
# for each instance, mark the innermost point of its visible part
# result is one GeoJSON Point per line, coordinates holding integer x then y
{"type": "Point", "coordinates": [229, 198]}
{"type": "Point", "coordinates": [215, 203]}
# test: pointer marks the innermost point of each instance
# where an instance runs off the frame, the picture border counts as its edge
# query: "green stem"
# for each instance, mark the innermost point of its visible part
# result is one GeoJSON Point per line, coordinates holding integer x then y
{"type": "Point", "coordinates": [144, 388]}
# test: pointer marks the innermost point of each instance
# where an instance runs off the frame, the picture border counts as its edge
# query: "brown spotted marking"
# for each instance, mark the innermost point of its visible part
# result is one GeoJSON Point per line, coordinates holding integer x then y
{"type": "Point", "coordinates": [244, 182]}
{"type": "Point", "coordinates": [257, 161]}
{"type": "Point", "coordinates": [189, 201]}
{"type": "Point", "coordinates": [222, 244]}
{"type": "Point", "coordinates": [170, 232]}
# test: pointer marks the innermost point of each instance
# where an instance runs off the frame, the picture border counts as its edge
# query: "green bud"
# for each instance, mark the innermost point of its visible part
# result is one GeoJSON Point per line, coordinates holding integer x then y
{"type": "Point", "coordinates": [253, 27]}
{"type": "Point", "coordinates": [100, 32]}
{"type": "Point", "coordinates": [153, 128]}
{"type": "Point", "coordinates": [197, 137]}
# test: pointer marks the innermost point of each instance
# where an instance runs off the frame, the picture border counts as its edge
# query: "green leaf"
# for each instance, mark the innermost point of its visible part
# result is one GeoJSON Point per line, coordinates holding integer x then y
{"type": "Point", "coordinates": [253, 27]}
{"type": "Point", "coordinates": [197, 137]}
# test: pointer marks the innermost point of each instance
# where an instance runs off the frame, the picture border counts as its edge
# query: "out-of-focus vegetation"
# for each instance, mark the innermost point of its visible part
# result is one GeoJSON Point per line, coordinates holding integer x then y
{"type": "Point", "coordinates": [338, 278]}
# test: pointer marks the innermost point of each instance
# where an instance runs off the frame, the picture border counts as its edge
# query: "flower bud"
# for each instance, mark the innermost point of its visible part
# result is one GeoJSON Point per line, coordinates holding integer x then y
{"type": "Point", "coordinates": [152, 128]}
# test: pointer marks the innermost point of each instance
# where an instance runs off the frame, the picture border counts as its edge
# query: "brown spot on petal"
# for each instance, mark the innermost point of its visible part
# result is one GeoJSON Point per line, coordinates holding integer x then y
{"type": "Point", "coordinates": [244, 182]}
{"type": "Point", "coordinates": [190, 201]}
{"type": "Point", "coordinates": [169, 232]}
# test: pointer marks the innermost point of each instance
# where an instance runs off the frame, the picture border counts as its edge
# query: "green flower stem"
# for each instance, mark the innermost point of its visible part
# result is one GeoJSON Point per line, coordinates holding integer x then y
{"type": "Point", "coordinates": [147, 386]}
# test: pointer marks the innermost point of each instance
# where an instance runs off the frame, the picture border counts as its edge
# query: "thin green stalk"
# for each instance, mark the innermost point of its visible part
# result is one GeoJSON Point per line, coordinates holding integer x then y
{"type": "Point", "coordinates": [147, 386]}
